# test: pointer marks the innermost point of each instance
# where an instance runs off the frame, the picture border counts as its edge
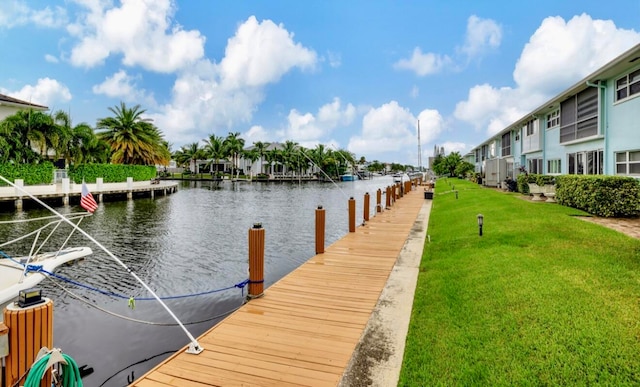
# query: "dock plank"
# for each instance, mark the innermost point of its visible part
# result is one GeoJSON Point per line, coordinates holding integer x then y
{"type": "Point", "coordinates": [305, 329]}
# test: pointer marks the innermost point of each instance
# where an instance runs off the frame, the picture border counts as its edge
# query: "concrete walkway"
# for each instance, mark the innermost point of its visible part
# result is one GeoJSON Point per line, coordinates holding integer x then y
{"type": "Point", "coordinates": [377, 360]}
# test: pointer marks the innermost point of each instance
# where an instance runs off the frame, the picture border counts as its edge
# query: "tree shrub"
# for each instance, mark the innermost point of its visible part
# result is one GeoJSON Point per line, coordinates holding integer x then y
{"type": "Point", "coordinates": [111, 173]}
{"type": "Point", "coordinates": [32, 174]}
{"type": "Point", "coordinates": [607, 196]}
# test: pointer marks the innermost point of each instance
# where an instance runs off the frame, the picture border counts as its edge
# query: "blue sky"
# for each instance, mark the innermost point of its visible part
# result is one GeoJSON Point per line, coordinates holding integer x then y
{"type": "Point", "coordinates": [356, 75]}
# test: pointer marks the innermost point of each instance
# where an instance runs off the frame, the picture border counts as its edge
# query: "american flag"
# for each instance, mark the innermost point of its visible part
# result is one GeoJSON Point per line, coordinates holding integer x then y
{"type": "Point", "coordinates": [87, 201]}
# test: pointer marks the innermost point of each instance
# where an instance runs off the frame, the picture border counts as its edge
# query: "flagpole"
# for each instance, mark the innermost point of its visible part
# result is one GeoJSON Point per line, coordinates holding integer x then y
{"type": "Point", "coordinates": [194, 347]}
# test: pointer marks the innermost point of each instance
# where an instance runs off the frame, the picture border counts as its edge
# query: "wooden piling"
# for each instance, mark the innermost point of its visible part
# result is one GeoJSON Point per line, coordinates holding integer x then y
{"type": "Point", "coordinates": [256, 261]}
{"type": "Point", "coordinates": [388, 198]}
{"type": "Point", "coordinates": [352, 215]}
{"type": "Point", "coordinates": [366, 206]}
{"type": "Point", "coordinates": [30, 329]}
{"type": "Point", "coordinates": [320, 228]}
{"type": "Point", "coordinates": [379, 200]}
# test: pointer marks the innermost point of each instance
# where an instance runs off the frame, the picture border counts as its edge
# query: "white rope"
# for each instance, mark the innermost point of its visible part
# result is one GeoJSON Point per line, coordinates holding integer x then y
{"type": "Point", "coordinates": [195, 347]}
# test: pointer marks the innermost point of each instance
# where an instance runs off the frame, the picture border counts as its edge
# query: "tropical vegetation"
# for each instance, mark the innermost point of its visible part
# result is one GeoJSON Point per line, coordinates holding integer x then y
{"type": "Point", "coordinates": [128, 137]}
{"type": "Point", "coordinates": [452, 165]}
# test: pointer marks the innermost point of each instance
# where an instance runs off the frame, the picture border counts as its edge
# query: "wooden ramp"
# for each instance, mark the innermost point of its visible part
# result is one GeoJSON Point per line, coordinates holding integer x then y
{"type": "Point", "coordinates": [304, 330]}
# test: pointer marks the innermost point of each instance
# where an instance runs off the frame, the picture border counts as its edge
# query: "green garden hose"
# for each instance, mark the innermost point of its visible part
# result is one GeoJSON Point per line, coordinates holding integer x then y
{"type": "Point", "coordinates": [70, 372]}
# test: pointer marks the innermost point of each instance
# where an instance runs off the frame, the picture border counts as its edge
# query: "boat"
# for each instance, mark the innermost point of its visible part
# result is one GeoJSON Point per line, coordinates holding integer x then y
{"type": "Point", "coordinates": [400, 177]}
{"type": "Point", "coordinates": [349, 177]}
{"type": "Point", "coordinates": [25, 271]}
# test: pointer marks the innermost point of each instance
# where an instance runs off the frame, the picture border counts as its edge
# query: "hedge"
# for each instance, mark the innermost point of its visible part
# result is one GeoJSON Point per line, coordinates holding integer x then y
{"type": "Point", "coordinates": [111, 173]}
{"type": "Point", "coordinates": [607, 196]}
{"type": "Point", "coordinates": [32, 174]}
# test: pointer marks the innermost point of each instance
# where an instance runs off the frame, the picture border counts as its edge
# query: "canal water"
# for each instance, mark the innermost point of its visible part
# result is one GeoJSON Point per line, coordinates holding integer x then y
{"type": "Point", "coordinates": [189, 242]}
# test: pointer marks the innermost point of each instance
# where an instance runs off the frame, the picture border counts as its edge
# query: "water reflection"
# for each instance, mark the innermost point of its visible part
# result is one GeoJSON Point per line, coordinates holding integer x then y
{"type": "Point", "coordinates": [188, 242]}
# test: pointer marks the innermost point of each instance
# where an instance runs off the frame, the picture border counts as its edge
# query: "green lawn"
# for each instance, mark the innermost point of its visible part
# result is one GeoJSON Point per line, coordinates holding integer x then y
{"type": "Point", "coordinates": [543, 298]}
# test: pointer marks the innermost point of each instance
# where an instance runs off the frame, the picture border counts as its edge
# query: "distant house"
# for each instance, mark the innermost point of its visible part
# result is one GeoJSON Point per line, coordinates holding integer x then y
{"type": "Point", "coordinates": [273, 168]}
{"type": "Point", "coordinates": [10, 106]}
{"type": "Point", "coordinates": [592, 128]}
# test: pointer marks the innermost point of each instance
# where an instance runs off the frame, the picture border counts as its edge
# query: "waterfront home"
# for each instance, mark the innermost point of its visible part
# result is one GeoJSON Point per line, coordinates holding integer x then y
{"type": "Point", "coordinates": [10, 106]}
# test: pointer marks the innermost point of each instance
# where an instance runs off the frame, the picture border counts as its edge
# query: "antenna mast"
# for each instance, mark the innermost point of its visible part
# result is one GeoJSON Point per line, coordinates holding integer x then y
{"type": "Point", "coordinates": [419, 150]}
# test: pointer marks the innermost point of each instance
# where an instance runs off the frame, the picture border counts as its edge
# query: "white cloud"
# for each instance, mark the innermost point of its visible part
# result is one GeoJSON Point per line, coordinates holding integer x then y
{"type": "Point", "coordinates": [332, 115]}
{"type": "Point", "coordinates": [482, 34]}
{"type": "Point", "coordinates": [390, 129]}
{"type": "Point", "coordinates": [123, 86]}
{"type": "Point", "coordinates": [557, 55]}
{"type": "Point", "coordinates": [141, 31]}
{"type": "Point", "coordinates": [15, 13]}
{"type": "Point", "coordinates": [256, 133]}
{"type": "Point", "coordinates": [335, 59]}
{"type": "Point", "coordinates": [208, 95]}
{"type": "Point", "coordinates": [50, 58]}
{"type": "Point", "coordinates": [560, 53]}
{"type": "Point", "coordinates": [48, 92]}
{"type": "Point", "coordinates": [261, 53]}
{"type": "Point", "coordinates": [423, 64]}
{"type": "Point", "coordinates": [415, 92]}
{"type": "Point", "coordinates": [311, 129]}
{"type": "Point", "coordinates": [431, 125]}
{"type": "Point", "coordinates": [450, 147]}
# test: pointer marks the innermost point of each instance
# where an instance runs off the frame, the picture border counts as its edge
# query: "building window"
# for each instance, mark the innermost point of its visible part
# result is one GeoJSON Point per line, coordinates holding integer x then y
{"type": "Point", "coordinates": [553, 119]}
{"type": "Point", "coordinates": [628, 163]}
{"type": "Point", "coordinates": [554, 166]}
{"type": "Point", "coordinates": [628, 85]}
{"type": "Point", "coordinates": [586, 163]}
{"type": "Point", "coordinates": [579, 116]}
{"type": "Point", "coordinates": [535, 165]}
{"type": "Point", "coordinates": [506, 144]}
{"type": "Point", "coordinates": [530, 128]}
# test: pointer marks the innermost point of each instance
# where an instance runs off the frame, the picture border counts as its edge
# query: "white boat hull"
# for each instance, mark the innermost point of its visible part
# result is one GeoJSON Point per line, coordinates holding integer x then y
{"type": "Point", "coordinates": [12, 279]}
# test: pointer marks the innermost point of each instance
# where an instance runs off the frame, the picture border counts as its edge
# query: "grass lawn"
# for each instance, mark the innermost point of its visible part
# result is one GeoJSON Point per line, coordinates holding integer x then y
{"type": "Point", "coordinates": [543, 298]}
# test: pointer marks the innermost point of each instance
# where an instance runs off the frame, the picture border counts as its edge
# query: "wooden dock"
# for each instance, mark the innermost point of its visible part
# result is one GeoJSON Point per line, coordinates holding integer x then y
{"type": "Point", "coordinates": [304, 331]}
{"type": "Point", "coordinates": [56, 192]}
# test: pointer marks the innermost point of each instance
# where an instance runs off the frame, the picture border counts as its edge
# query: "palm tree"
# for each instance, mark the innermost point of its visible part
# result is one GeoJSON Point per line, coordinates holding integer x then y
{"type": "Point", "coordinates": [132, 138]}
{"type": "Point", "coordinates": [214, 149]}
{"type": "Point", "coordinates": [273, 156]}
{"type": "Point", "coordinates": [289, 155]}
{"type": "Point", "coordinates": [320, 156]}
{"type": "Point", "coordinates": [191, 153]}
{"type": "Point", "coordinates": [261, 148]}
{"type": "Point", "coordinates": [234, 146]}
{"type": "Point", "coordinates": [78, 144]}
{"type": "Point", "coordinates": [22, 130]}
{"type": "Point", "coordinates": [252, 155]}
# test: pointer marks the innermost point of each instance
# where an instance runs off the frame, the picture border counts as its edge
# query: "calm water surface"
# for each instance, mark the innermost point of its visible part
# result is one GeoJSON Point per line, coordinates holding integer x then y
{"type": "Point", "coordinates": [192, 241]}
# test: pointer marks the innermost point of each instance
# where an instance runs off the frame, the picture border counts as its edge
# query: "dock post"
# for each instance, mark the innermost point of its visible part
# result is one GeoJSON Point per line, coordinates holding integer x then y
{"type": "Point", "coordinates": [352, 214]}
{"type": "Point", "coordinates": [366, 206]}
{"type": "Point", "coordinates": [130, 188]}
{"type": "Point", "coordinates": [320, 228]}
{"type": "Point", "coordinates": [30, 328]}
{"type": "Point", "coordinates": [256, 261]}
{"type": "Point", "coordinates": [18, 202]}
{"type": "Point", "coordinates": [379, 200]}
{"type": "Point", "coordinates": [65, 189]}
{"type": "Point", "coordinates": [388, 198]}
{"type": "Point", "coordinates": [99, 182]}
